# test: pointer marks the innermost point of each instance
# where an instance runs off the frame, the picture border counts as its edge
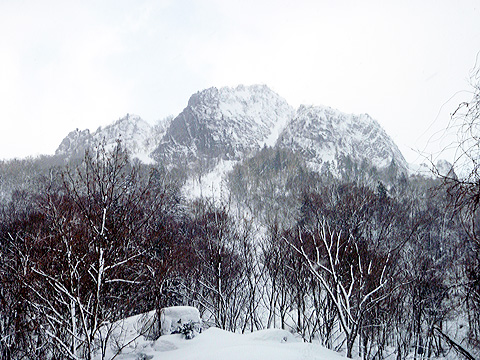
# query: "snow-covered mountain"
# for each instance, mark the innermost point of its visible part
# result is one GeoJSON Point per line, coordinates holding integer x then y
{"type": "Point", "coordinates": [324, 134]}
{"type": "Point", "coordinates": [138, 136]}
{"type": "Point", "coordinates": [230, 124]}
{"type": "Point", "coordinates": [226, 123]}
{"type": "Point", "coordinates": [75, 144]}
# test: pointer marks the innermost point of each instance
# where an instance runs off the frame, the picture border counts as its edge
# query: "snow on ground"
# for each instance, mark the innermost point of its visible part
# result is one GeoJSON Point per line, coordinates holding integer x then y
{"type": "Point", "coordinates": [262, 345]}
{"type": "Point", "coordinates": [144, 157]}
{"type": "Point", "coordinates": [213, 343]}
{"type": "Point", "coordinates": [172, 318]}
{"type": "Point", "coordinates": [210, 185]}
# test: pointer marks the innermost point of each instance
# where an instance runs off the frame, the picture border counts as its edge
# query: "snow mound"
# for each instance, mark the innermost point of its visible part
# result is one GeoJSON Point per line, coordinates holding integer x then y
{"type": "Point", "coordinates": [268, 344]}
{"type": "Point", "coordinates": [275, 335]}
{"type": "Point", "coordinates": [173, 319]}
{"type": "Point", "coordinates": [213, 343]}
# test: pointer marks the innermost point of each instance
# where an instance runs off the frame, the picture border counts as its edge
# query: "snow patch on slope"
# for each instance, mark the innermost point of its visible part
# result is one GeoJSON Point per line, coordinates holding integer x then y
{"type": "Point", "coordinates": [263, 111]}
{"type": "Point", "coordinates": [212, 185]}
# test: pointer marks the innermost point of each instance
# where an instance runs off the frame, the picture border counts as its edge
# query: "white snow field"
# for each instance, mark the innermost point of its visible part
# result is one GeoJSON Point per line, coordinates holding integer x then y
{"type": "Point", "coordinates": [212, 344]}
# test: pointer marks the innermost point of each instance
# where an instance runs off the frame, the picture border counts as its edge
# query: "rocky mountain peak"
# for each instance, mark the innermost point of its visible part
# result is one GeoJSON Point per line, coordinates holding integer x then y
{"type": "Point", "coordinates": [134, 133]}
{"type": "Point", "coordinates": [131, 130]}
{"type": "Point", "coordinates": [323, 134]}
{"type": "Point", "coordinates": [233, 123]}
{"type": "Point", "coordinates": [445, 168]}
{"type": "Point", "coordinates": [75, 144]}
{"type": "Point", "coordinates": [226, 123]}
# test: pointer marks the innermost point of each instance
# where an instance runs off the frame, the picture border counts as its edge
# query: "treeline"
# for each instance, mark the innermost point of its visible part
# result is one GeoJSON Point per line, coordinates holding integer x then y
{"type": "Point", "coordinates": [369, 263]}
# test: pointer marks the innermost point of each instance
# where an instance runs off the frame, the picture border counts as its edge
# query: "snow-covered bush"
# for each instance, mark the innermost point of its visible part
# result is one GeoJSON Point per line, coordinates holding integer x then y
{"type": "Point", "coordinates": [180, 320]}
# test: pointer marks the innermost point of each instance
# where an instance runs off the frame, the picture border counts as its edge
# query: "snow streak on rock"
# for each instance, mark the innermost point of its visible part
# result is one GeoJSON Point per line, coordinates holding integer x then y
{"type": "Point", "coordinates": [226, 123]}
{"type": "Point", "coordinates": [231, 124]}
{"type": "Point", "coordinates": [135, 134]}
{"type": "Point", "coordinates": [323, 134]}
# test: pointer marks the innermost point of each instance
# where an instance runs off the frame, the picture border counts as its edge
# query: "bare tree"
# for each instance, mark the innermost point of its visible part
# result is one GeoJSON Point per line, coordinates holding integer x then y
{"type": "Point", "coordinates": [354, 278]}
{"type": "Point", "coordinates": [220, 285]}
{"type": "Point", "coordinates": [277, 297]}
{"type": "Point", "coordinates": [462, 183]}
{"type": "Point", "coordinates": [83, 265]}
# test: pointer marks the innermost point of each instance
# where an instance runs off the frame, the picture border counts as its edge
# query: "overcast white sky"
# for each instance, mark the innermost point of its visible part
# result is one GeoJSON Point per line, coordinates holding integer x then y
{"type": "Point", "coordinates": [84, 64]}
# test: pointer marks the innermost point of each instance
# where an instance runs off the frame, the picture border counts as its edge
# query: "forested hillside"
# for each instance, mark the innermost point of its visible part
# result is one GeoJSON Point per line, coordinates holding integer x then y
{"type": "Point", "coordinates": [370, 263]}
{"type": "Point", "coordinates": [318, 229]}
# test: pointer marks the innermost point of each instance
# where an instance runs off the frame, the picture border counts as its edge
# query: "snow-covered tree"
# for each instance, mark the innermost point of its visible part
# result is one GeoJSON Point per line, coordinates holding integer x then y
{"type": "Point", "coordinates": [85, 263]}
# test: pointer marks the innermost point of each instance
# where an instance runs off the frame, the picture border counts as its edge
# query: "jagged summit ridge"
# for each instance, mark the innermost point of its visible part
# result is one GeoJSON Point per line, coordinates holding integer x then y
{"type": "Point", "coordinates": [134, 133]}
{"type": "Point", "coordinates": [322, 134]}
{"type": "Point", "coordinates": [232, 123]}
{"type": "Point", "coordinates": [225, 123]}
{"type": "Point", "coordinates": [75, 143]}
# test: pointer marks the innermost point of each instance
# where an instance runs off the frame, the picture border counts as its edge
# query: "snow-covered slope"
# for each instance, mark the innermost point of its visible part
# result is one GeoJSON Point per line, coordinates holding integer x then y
{"type": "Point", "coordinates": [139, 137]}
{"type": "Point", "coordinates": [323, 134]}
{"type": "Point", "coordinates": [226, 123]}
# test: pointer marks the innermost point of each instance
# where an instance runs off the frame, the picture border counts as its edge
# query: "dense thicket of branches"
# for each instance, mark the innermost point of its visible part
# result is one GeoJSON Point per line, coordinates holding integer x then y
{"type": "Point", "coordinates": [372, 269]}
{"type": "Point", "coordinates": [462, 183]}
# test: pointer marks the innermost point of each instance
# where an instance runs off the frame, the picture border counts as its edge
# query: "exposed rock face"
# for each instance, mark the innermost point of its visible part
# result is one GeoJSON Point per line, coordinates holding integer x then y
{"type": "Point", "coordinates": [234, 123]}
{"type": "Point", "coordinates": [135, 134]}
{"type": "Point", "coordinates": [75, 144]}
{"type": "Point", "coordinates": [323, 134]}
{"type": "Point", "coordinates": [226, 123]}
